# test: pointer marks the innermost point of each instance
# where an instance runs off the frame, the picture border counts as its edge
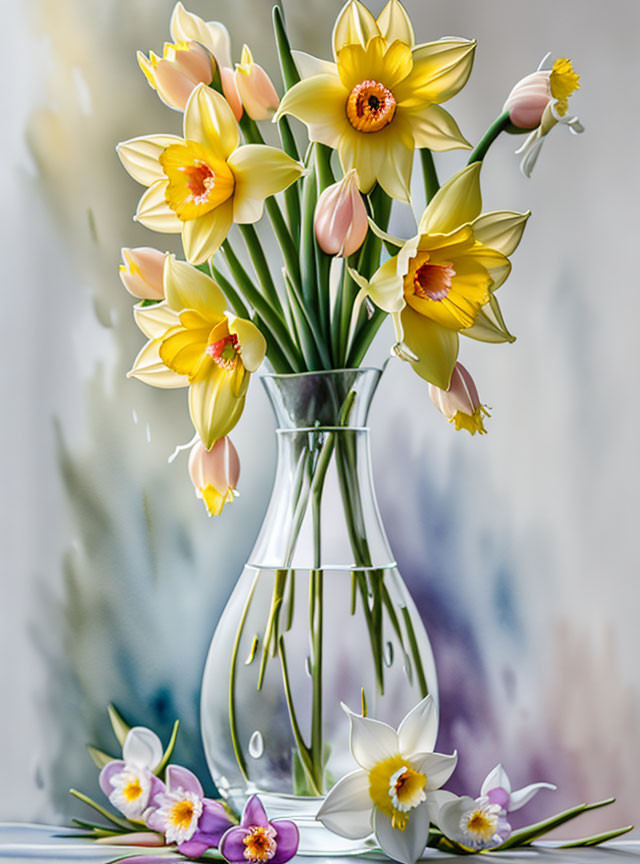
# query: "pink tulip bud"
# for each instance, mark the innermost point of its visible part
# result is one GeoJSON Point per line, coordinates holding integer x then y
{"type": "Point", "coordinates": [528, 99]}
{"type": "Point", "coordinates": [460, 403]}
{"type": "Point", "coordinates": [215, 473]}
{"type": "Point", "coordinates": [174, 75]}
{"type": "Point", "coordinates": [341, 218]}
{"type": "Point", "coordinates": [142, 271]}
{"type": "Point", "coordinates": [230, 91]}
{"type": "Point", "coordinates": [256, 89]}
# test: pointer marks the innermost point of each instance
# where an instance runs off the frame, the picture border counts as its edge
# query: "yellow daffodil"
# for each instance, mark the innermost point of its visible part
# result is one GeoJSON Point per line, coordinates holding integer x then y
{"type": "Point", "coordinates": [194, 343]}
{"type": "Point", "coordinates": [441, 282]}
{"type": "Point", "coordinates": [380, 99]}
{"type": "Point", "coordinates": [174, 75]}
{"type": "Point", "coordinates": [200, 184]}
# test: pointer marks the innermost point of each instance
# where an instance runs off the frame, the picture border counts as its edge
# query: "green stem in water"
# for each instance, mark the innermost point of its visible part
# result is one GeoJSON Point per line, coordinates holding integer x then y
{"type": "Point", "coordinates": [415, 653]}
{"type": "Point", "coordinates": [481, 148]}
{"type": "Point", "coordinates": [431, 183]}
{"type": "Point", "coordinates": [233, 723]}
{"type": "Point", "coordinates": [271, 630]}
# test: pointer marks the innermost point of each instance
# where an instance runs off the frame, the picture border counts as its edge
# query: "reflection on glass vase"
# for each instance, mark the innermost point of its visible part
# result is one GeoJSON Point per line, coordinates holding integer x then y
{"type": "Point", "coordinates": [319, 616]}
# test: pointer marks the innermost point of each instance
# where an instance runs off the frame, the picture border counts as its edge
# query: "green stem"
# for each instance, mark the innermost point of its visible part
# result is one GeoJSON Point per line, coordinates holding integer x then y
{"type": "Point", "coordinates": [362, 340]}
{"type": "Point", "coordinates": [233, 723]}
{"type": "Point", "coordinates": [415, 653]}
{"type": "Point", "coordinates": [285, 240]}
{"type": "Point", "coordinates": [276, 356]}
{"type": "Point", "coordinates": [431, 183]}
{"type": "Point", "coordinates": [259, 261]}
{"type": "Point", "coordinates": [290, 74]}
{"type": "Point", "coordinates": [121, 823]}
{"type": "Point", "coordinates": [317, 580]}
{"type": "Point", "coordinates": [234, 298]}
{"type": "Point", "coordinates": [271, 630]}
{"type": "Point", "coordinates": [481, 148]}
{"type": "Point", "coordinates": [307, 334]}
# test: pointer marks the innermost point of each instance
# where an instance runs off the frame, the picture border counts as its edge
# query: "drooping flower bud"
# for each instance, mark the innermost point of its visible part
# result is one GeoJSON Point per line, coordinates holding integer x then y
{"type": "Point", "coordinates": [528, 99]}
{"type": "Point", "coordinates": [341, 218]}
{"type": "Point", "coordinates": [141, 273]}
{"type": "Point", "coordinates": [256, 89]}
{"type": "Point", "coordinates": [174, 75]}
{"type": "Point", "coordinates": [215, 473]}
{"type": "Point", "coordinates": [460, 403]}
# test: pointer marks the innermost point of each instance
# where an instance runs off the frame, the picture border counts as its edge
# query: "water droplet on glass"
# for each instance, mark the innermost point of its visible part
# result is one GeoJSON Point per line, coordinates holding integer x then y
{"type": "Point", "coordinates": [148, 430]}
{"type": "Point", "coordinates": [256, 745]}
{"type": "Point", "coordinates": [307, 666]}
{"type": "Point", "coordinates": [388, 654]}
{"type": "Point", "coordinates": [134, 415]}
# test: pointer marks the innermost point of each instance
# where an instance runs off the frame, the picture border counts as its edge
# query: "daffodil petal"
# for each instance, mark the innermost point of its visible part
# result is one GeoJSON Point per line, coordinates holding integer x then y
{"type": "Point", "coordinates": [435, 801]}
{"type": "Point", "coordinates": [384, 235]}
{"type": "Point", "coordinates": [451, 813]}
{"type": "Point", "coordinates": [184, 351]}
{"type": "Point", "coordinates": [260, 172]}
{"type": "Point", "coordinates": [139, 156]}
{"type": "Point", "coordinates": [154, 321]}
{"type": "Point", "coordinates": [371, 740]}
{"type": "Point", "coordinates": [501, 230]}
{"type": "Point", "coordinates": [385, 286]}
{"type": "Point", "coordinates": [394, 174]}
{"type": "Point", "coordinates": [149, 368]}
{"type": "Point", "coordinates": [455, 203]}
{"type": "Point", "coordinates": [354, 24]}
{"type": "Point", "coordinates": [394, 23]}
{"type": "Point", "coordinates": [202, 237]}
{"type": "Point", "coordinates": [495, 779]}
{"type": "Point", "coordinates": [419, 729]}
{"type": "Point", "coordinates": [489, 325]}
{"type": "Point", "coordinates": [347, 809]}
{"type": "Point", "coordinates": [213, 407]}
{"type": "Point", "coordinates": [252, 344]}
{"type": "Point", "coordinates": [435, 346]}
{"type": "Point", "coordinates": [520, 797]}
{"type": "Point", "coordinates": [142, 748]}
{"type": "Point", "coordinates": [185, 27]}
{"type": "Point", "coordinates": [437, 767]}
{"type": "Point", "coordinates": [495, 263]}
{"type": "Point", "coordinates": [440, 70]}
{"type": "Point", "coordinates": [389, 64]}
{"type": "Point", "coordinates": [320, 103]}
{"type": "Point", "coordinates": [308, 65]}
{"type": "Point", "coordinates": [186, 287]}
{"type": "Point", "coordinates": [209, 120]}
{"type": "Point", "coordinates": [435, 128]}
{"type": "Point", "coordinates": [153, 211]}
{"type": "Point", "coordinates": [404, 846]}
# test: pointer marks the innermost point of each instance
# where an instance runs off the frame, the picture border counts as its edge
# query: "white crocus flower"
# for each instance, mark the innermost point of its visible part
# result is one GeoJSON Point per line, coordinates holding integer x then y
{"type": "Point", "coordinates": [390, 792]}
{"type": "Point", "coordinates": [129, 783]}
{"type": "Point", "coordinates": [475, 823]}
{"type": "Point", "coordinates": [497, 788]}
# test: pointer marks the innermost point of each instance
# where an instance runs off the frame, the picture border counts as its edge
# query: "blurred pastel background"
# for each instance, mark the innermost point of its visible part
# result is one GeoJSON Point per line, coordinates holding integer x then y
{"type": "Point", "coordinates": [520, 547]}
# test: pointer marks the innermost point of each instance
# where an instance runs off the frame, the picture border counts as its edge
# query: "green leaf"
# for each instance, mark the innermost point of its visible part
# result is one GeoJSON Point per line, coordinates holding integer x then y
{"type": "Point", "coordinates": [595, 839]}
{"type": "Point", "coordinates": [290, 74]}
{"type": "Point", "coordinates": [526, 836]}
{"type": "Point", "coordinates": [119, 725]}
{"type": "Point", "coordinates": [170, 747]}
{"type": "Point", "coordinates": [300, 780]}
{"type": "Point", "coordinates": [148, 302]}
{"type": "Point", "coordinates": [100, 757]}
{"type": "Point", "coordinates": [121, 823]}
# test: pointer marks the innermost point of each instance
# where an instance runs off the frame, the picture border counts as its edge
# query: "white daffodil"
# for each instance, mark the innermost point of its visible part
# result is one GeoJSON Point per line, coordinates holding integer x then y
{"type": "Point", "coordinates": [389, 794]}
{"type": "Point", "coordinates": [475, 823]}
{"type": "Point", "coordinates": [497, 788]}
{"type": "Point", "coordinates": [129, 783]}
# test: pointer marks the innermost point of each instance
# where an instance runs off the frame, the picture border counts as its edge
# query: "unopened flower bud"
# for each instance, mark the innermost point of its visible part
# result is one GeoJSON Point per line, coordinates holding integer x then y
{"type": "Point", "coordinates": [141, 273]}
{"type": "Point", "coordinates": [544, 88]}
{"type": "Point", "coordinates": [215, 473]}
{"type": "Point", "coordinates": [181, 68]}
{"type": "Point", "coordinates": [341, 218]}
{"type": "Point", "coordinates": [256, 89]}
{"type": "Point", "coordinates": [460, 403]}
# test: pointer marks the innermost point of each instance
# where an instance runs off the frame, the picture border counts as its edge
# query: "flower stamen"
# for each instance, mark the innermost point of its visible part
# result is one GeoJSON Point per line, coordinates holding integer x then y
{"type": "Point", "coordinates": [433, 281]}
{"type": "Point", "coordinates": [260, 844]}
{"type": "Point", "coordinates": [371, 106]}
{"type": "Point", "coordinates": [224, 352]}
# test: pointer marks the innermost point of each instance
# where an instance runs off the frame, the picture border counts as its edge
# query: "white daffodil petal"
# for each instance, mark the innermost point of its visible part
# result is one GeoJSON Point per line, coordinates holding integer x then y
{"type": "Point", "coordinates": [140, 156]}
{"type": "Point", "coordinates": [149, 368]}
{"type": "Point", "coordinates": [209, 120]}
{"type": "Point", "coordinates": [500, 230]}
{"type": "Point", "coordinates": [521, 796]}
{"type": "Point", "coordinates": [437, 799]}
{"type": "Point", "coordinates": [153, 211]}
{"type": "Point", "coordinates": [404, 846]}
{"type": "Point", "coordinates": [418, 731]}
{"type": "Point", "coordinates": [371, 740]}
{"type": "Point", "coordinates": [252, 344]}
{"type": "Point", "coordinates": [154, 321]}
{"type": "Point", "coordinates": [437, 767]}
{"type": "Point", "coordinates": [451, 814]}
{"type": "Point", "coordinates": [496, 779]}
{"type": "Point", "coordinates": [455, 203]}
{"type": "Point", "coordinates": [186, 287]}
{"type": "Point", "coordinates": [347, 809]}
{"type": "Point", "coordinates": [142, 748]}
{"type": "Point", "coordinates": [309, 65]}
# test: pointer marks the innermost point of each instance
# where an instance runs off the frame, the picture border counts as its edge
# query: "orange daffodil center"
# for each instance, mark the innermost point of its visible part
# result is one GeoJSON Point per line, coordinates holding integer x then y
{"type": "Point", "coordinates": [380, 98]}
{"type": "Point", "coordinates": [202, 183]}
{"type": "Point", "coordinates": [260, 844]}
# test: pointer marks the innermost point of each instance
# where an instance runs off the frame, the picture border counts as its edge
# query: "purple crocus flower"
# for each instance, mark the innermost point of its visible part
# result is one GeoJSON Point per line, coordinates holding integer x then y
{"type": "Point", "coordinates": [185, 817]}
{"type": "Point", "coordinates": [129, 783]}
{"type": "Point", "coordinates": [256, 840]}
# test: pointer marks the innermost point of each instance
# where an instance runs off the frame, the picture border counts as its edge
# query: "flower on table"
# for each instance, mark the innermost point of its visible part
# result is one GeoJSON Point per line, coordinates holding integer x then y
{"type": "Point", "coordinates": [497, 788]}
{"type": "Point", "coordinates": [258, 840]}
{"type": "Point", "coordinates": [201, 184]}
{"type": "Point", "coordinates": [380, 98]}
{"type": "Point", "coordinates": [141, 272]}
{"type": "Point", "coordinates": [186, 27]}
{"type": "Point", "coordinates": [215, 473]}
{"type": "Point", "coordinates": [195, 343]}
{"type": "Point", "coordinates": [442, 281]}
{"type": "Point", "coordinates": [475, 823]}
{"type": "Point", "coordinates": [181, 812]}
{"type": "Point", "coordinates": [539, 102]}
{"type": "Point", "coordinates": [129, 783]}
{"type": "Point", "coordinates": [174, 75]}
{"type": "Point", "coordinates": [256, 90]}
{"type": "Point", "coordinates": [389, 793]}
{"type": "Point", "coordinates": [460, 403]}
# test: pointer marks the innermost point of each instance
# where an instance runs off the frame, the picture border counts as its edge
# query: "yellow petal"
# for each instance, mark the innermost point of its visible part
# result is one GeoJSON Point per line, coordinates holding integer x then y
{"type": "Point", "coordinates": [185, 27]}
{"type": "Point", "coordinates": [260, 172]}
{"type": "Point", "coordinates": [378, 62]}
{"type": "Point", "coordinates": [354, 24]}
{"type": "Point", "coordinates": [435, 128]}
{"type": "Point", "coordinates": [184, 351]}
{"type": "Point", "coordinates": [209, 120]}
{"type": "Point", "coordinates": [213, 407]}
{"type": "Point", "coordinates": [385, 287]}
{"type": "Point", "coordinates": [149, 368]}
{"type": "Point", "coordinates": [308, 65]}
{"type": "Point", "coordinates": [495, 263]}
{"type": "Point", "coordinates": [455, 203]}
{"type": "Point", "coordinates": [364, 154]}
{"type": "Point", "coordinates": [252, 344]}
{"type": "Point", "coordinates": [154, 321]}
{"type": "Point", "coordinates": [214, 500]}
{"type": "Point", "coordinates": [140, 156]}
{"type": "Point", "coordinates": [394, 23]}
{"type": "Point", "coordinates": [154, 212]}
{"type": "Point", "coordinates": [186, 287]}
{"type": "Point", "coordinates": [440, 70]}
{"type": "Point", "coordinates": [490, 325]}
{"type": "Point", "coordinates": [202, 237]}
{"type": "Point", "coordinates": [436, 347]}
{"type": "Point", "coordinates": [501, 230]}
{"type": "Point", "coordinates": [394, 174]}
{"type": "Point", "coordinates": [320, 103]}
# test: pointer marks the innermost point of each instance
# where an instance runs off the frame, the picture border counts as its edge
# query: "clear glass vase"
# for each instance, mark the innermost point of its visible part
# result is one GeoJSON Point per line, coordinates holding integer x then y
{"type": "Point", "coordinates": [319, 616]}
